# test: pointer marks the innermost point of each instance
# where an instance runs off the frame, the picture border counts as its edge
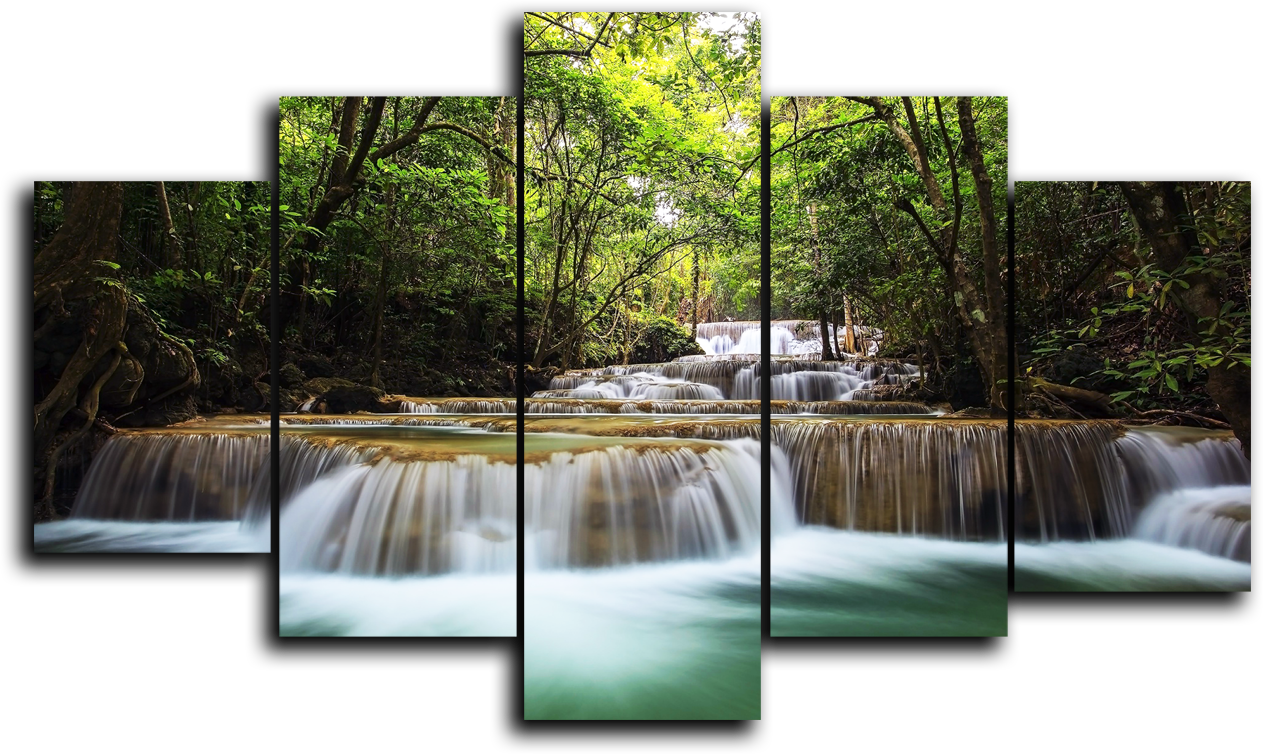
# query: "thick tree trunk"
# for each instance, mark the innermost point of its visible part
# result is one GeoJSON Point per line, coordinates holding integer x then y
{"type": "Point", "coordinates": [981, 315]}
{"type": "Point", "coordinates": [996, 334]}
{"type": "Point", "coordinates": [1163, 218]}
{"type": "Point", "coordinates": [68, 287]}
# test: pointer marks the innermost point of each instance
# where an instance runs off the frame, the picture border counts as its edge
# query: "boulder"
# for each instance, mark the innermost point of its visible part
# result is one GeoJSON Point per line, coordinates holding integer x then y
{"type": "Point", "coordinates": [349, 400]}
{"type": "Point", "coordinates": [291, 376]}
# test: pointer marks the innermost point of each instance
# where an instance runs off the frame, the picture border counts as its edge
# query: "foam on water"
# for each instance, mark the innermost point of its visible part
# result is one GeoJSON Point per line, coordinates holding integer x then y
{"type": "Point", "coordinates": [92, 535]}
{"type": "Point", "coordinates": [452, 605]}
{"type": "Point", "coordinates": [1124, 565]}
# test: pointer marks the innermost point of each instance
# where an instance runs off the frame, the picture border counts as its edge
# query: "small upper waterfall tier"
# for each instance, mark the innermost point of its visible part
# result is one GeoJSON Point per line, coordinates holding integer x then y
{"type": "Point", "coordinates": [179, 474]}
{"type": "Point", "coordinates": [1092, 480]}
{"type": "Point", "coordinates": [427, 406]}
{"type": "Point", "coordinates": [789, 337]}
{"type": "Point", "coordinates": [639, 501]}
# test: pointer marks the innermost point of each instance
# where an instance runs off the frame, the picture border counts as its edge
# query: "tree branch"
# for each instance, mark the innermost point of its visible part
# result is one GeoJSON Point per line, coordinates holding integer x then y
{"type": "Point", "coordinates": [560, 25]}
{"type": "Point", "coordinates": [823, 130]}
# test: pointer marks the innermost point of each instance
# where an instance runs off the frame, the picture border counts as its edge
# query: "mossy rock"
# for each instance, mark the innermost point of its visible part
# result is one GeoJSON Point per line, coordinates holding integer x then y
{"type": "Point", "coordinates": [321, 385]}
{"type": "Point", "coordinates": [291, 376]}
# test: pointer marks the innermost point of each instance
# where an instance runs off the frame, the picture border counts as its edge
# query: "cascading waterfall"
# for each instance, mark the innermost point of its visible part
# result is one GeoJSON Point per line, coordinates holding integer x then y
{"type": "Point", "coordinates": [400, 518]}
{"type": "Point", "coordinates": [1088, 481]}
{"type": "Point", "coordinates": [921, 478]}
{"type": "Point", "coordinates": [160, 476]}
{"type": "Point", "coordinates": [642, 502]}
{"type": "Point", "coordinates": [788, 337]}
{"type": "Point", "coordinates": [391, 509]}
{"type": "Point", "coordinates": [201, 487]}
{"type": "Point", "coordinates": [642, 532]}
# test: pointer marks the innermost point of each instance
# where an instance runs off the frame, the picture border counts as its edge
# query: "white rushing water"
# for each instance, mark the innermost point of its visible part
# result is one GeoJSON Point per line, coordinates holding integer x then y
{"type": "Point", "coordinates": [1155, 509]}
{"type": "Point", "coordinates": [397, 530]}
{"type": "Point", "coordinates": [314, 604]}
{"type": "Point", "coordinates": [91, 535]}
{"type": "Point", "coordinates": [791, 338]}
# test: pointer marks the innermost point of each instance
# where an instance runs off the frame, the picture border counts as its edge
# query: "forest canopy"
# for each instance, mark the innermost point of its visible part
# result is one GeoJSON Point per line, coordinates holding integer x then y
{"type": "Point", "coordinates": [397, 243]}
{"type": "Point", "coordinates": [642, 208]}
{"type": "Point", "coordinates": [888, 211]}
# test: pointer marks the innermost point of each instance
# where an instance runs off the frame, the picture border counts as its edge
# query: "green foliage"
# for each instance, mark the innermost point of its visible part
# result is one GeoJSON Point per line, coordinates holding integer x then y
{"type": "Point", "coordinates": [1100, 290]}
{"type": "Point", "coordinates": [425, 245]}
{"type": "Point", "coordinates": [639, 156]}
{"type": "Point", "coordinates": [837, 234]}
{"type": "Point", "coordinates": [204, 283]}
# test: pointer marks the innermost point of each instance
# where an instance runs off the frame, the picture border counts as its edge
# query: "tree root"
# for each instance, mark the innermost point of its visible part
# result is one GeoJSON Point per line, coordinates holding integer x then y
{"type": "Point", "coordinates": [1164, 417]}
{"type": "Point", "coordinates": [193, 380]}
{"type": "Point", "coordinates": [1082, 403]}
{"type": "Point", "coordinates": [91, 403]}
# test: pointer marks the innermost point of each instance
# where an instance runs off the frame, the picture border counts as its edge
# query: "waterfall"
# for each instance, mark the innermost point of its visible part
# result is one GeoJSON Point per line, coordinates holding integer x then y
{"type": "Point", "coordinates": [177, 475]}
{"type": "Point", "coordinates": [1100, 480]}
{"type": "Point", "coordinates": [791, 337]}
{"type": "Point", "coordinates": [354, 509]}
{"type": "Point", "coordinates": [793, 379]}
{"type": "Point", "coordinates": [458, 406]}
{"type": "Point", "coordinates": [926, 478]}
{"type": "Point", "coordinates": [1215, 521]}
{"type": "Point", "coordinates": [642, 502]}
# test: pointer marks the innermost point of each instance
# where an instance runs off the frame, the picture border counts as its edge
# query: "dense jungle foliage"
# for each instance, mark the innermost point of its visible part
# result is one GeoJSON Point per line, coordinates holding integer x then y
{"type": "Point", "coordinates": [888, 212]}
{"type": "Point", "coordinates": [397, 244]}
{"type": "Point", "coordinates": [150, 306]}
{"type": "Point", "coordinates": [1134, 300]}
{"type": "Point", "coordinates": [642, 201]}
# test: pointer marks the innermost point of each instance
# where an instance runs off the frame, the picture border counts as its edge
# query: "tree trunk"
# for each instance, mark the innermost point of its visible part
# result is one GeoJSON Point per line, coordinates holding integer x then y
{"type": "Point", "coordinates": [169, 238]}
{"type": "Point", "coordinates": [379, 313]}
{"type": "Point", "coordinates": [697, 287]}
{"type": "Point", "coordinates": [850, 324]}
{"type": "Point", "coordinates": [993, 325]}
{"type": "Point", "coordinates": [66, 272]}
{"type": "Point", "coordinates": [980, 318]}
{"type": "Point", "coordinates": [826, 351]}
{"type": "Point", "coordinates": [1164, 220]}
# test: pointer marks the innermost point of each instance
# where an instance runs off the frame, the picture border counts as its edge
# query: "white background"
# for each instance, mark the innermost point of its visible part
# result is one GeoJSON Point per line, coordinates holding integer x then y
{"type": "Point", "coordinates": [1148, 83]}
{"type": "Point", "coordinates": [246, 711]}
{"type": "Point", "coordinates": [277, 42]}
{"type": "Point", "coordinates": [1074, 691]}
{"type": "Point", "coordinates": [145, 610]}
{"type": "Point", "coordinates": [176, 131]}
